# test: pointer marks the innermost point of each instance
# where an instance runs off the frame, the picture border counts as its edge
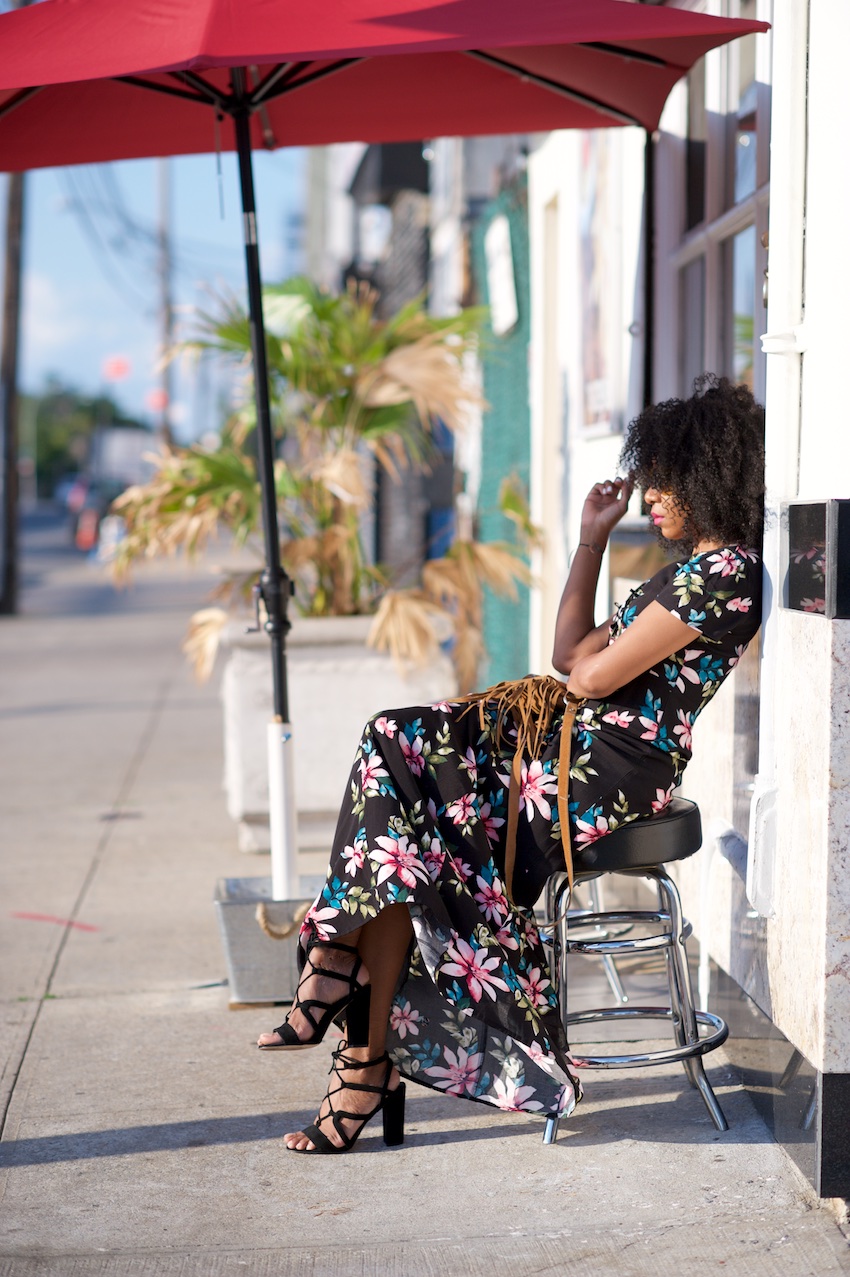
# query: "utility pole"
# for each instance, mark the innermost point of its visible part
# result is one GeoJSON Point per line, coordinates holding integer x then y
{"type": "Point", "coordinates": [9, 341]}
{"type": "Point", "coordinates": [166, 303]}
{"type": "Point", "coordinates": [9, 395]}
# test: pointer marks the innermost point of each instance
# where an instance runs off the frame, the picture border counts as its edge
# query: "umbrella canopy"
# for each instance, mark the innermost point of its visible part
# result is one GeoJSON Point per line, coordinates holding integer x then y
{"type": "Point", "coordinates": [92, 80]}
{"type": "Point", "coordinates": [369, 70]}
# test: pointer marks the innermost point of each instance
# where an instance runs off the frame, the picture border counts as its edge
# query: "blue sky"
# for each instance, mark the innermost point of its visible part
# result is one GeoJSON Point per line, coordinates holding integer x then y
{"type": "Point", "coordinates": [90, 285]}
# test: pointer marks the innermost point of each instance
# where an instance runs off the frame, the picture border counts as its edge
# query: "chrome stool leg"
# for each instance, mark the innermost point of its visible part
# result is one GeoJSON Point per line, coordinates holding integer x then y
{"type": "Point", "coordinates": [684, 995]}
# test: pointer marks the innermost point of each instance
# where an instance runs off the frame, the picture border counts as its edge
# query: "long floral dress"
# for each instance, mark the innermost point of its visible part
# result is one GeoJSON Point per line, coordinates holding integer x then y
{"type": "Point", "coordinates": [475, 1014]}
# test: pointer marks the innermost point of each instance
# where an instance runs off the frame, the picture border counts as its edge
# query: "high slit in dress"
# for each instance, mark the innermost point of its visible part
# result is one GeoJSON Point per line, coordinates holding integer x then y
{"type": "Point", "coordinates": [423, 824]}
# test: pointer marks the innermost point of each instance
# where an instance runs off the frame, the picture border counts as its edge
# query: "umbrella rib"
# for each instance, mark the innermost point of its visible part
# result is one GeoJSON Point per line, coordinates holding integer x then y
{"type": "Point", "coordinates": [285, 72]}
{"type": "Point", "coordinates": [553, 86]}
{"type": "Point", "coordinates": [19, 99]}
{"type": "Point", "coordinates": [631, 55]}
{"type": "Point", "coordinates": [138, 83]}
{"type": "Point", "coordinates": [210, 92]}
{"type": "Point", "coordinates": [321, 74]}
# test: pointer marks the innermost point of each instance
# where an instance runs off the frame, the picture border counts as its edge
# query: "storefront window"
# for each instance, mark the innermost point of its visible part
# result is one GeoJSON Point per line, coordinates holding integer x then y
{"type": "Point", "coordinates": [692, 331]}
{"type": "Point", "coordinates": [743, 114]}
{"type": "Point", "coordinates": [739, 313]}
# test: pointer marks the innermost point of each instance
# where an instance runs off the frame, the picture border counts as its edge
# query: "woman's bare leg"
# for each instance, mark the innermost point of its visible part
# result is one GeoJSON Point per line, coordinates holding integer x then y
{"type": "Point", "coordinates": [382, 944]}
{"type": "Point", "coordinates": [324, 988]}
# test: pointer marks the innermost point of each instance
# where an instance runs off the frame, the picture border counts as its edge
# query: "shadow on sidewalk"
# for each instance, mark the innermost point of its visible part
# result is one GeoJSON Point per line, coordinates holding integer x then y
{"type": "Point", "coordinates": [659, 1121]}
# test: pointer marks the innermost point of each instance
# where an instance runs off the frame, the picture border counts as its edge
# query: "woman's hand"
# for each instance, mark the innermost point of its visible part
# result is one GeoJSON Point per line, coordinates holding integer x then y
{"type": "Point", "coordinates": [604, 507]}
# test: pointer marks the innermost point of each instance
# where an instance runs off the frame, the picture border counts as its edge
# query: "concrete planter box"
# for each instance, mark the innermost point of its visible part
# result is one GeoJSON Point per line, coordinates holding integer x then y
{"type": "Point", "coordinates": [336, 683]}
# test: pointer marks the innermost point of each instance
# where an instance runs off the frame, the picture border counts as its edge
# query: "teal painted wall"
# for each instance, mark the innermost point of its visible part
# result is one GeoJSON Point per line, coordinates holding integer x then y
{"type": "Point", "coordinates": [506, 443]}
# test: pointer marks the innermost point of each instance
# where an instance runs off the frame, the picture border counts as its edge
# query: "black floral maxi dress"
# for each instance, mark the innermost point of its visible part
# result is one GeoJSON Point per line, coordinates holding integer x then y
{"type": "Point", "coordinates": [424, 825]}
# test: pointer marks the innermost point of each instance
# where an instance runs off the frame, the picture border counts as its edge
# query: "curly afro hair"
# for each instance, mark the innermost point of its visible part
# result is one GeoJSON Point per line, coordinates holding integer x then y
{"type": "Point", "coordinates": [708, 453]}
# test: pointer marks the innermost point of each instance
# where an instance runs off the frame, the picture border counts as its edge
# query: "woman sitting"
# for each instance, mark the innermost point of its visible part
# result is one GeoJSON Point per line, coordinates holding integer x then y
{"type": "Point", "coordinates": [423, 940]}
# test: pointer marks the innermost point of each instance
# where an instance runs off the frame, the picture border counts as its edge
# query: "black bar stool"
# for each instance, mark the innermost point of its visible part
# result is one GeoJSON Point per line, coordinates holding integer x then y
{"type": "Point", "coordinates": [642, 848]}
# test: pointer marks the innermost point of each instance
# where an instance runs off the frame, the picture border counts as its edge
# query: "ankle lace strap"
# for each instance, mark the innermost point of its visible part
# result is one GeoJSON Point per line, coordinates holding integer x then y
{"type": "Point", "coordinates": [341, 1062]}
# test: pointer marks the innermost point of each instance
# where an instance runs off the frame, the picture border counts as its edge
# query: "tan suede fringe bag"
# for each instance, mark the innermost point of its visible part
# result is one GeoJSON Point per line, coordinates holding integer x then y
{"type": "Point", "coordinates": [530, 704]}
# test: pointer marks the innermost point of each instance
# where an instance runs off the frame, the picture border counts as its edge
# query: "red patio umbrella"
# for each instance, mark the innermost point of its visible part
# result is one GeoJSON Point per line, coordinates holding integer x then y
{"type": "Point", "coordinates": [91, 80]}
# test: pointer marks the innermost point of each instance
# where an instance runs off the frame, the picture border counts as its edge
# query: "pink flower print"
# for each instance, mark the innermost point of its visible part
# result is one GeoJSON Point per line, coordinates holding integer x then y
{"type": "Point", "coordinates": [663, 797]}
{"type": "Point", "coordinates": [726, 562]}
{"type": "Point", "coordinates": [534, 985]}
{"type": "Point", "coordinates": [443, 706]}
{"type": "Point", "coordinates": [434, 857]}
{"type": "Point", "coordinates": [506, 938]}
{"type": "Point", "coordinates": [319, 919]}
{"type": "Point", "coordinates": [651, 726]}
{"type": "Point", "coordinates": [534, 786]}
{"type": "Point", "coordinates": [461, 868]}
{"type": "Point", "coordinates": [618, 718]}
{"type": "Point", "coordinates": [371, 773]}
{"type": "Point", "coordinates": [475, 968]}
{"type": "Point", "coordinates": [412, 754]}
{"type": "Point", "coordinates": [398, 858]}
{"type": "Point", "coordinates": [492, 824]}
{"type": "Point", "coordinates": [813, 605]}
{"type": "Point", "coordinates": [432, 810]}
{"type": "Point", "coordinates": [587, 833]}
{"type": "Point", "coordinates": [386, 726]}
{"type": "Point", "coordinates": [462, 810]}
{"type": "Point", "coordinates": [532, 935]}
{"type": "Point", "coordinates": [470, 765]}
{"type": "Point", "coordinates": [355, 856]}
{"type": "Point", "coordinates": [538, 1056]}
{"type": "Point", "coordinates": [513, 1098]}
{"type": "Point", "coordinates": [404, 1019]}
{"type": "Point", "coordinates": [491, 898]}
{"type": "Point", "coordinates": [689, 654]}
{"type": "Point", "coordinates": [461, 1075]}
{"type": "Point", "coordinates": [739, 605]}
{"type": "Point", "coordinates": [683, 729]}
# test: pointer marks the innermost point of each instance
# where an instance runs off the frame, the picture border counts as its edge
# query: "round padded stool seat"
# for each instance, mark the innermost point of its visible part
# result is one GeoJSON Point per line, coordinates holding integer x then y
{"type": "Point", "coordinates": [674, 834]}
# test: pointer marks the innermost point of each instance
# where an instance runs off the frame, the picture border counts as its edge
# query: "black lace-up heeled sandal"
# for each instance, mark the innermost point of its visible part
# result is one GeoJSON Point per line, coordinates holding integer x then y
{"type": "Point", "coordinates": [355, 1002]}
{"type": "Point", "coordinates": [391, 1103]}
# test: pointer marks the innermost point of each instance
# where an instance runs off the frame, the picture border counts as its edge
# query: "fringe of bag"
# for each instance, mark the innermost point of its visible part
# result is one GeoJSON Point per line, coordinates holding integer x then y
{"type": "Point", "coordinates": [529, 705]}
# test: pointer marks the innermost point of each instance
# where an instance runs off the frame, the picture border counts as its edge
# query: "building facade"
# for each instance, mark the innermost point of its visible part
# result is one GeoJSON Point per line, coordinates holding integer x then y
{"type": "Point", "coordinates": [716, 246]}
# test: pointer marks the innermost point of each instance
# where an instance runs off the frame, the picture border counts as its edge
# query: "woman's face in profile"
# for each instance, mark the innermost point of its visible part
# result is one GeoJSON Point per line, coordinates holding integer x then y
{"type": "Point", "coordinates": [666, 514]}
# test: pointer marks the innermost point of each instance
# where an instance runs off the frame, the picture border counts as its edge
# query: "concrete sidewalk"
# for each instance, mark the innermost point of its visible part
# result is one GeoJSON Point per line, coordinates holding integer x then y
{"type": "Point", "coordinates": [141, 1132]}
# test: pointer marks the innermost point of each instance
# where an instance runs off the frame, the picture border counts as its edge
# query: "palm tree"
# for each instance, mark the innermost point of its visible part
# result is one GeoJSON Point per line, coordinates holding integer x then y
{"type": "Point", "coordinates": [348, 391]}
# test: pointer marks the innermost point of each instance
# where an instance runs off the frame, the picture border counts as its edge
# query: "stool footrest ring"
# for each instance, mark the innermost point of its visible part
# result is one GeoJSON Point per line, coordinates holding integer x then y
{"type": "Point", "coordinates": [670, 1055]}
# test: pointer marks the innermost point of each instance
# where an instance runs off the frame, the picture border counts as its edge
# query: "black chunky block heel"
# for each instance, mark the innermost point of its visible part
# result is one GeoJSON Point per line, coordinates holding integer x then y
{"type": "Point", "coordinates": [391, 1102]}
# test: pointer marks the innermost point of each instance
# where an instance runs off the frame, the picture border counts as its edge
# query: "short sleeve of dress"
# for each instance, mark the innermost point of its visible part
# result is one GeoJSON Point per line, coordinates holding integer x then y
{"type": "Point", "coordinates": [716, 592]}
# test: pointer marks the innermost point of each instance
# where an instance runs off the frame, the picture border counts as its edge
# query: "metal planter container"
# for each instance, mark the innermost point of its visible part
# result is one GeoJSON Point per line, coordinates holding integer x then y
{"type": "Point", "coordinates": [259, 969]}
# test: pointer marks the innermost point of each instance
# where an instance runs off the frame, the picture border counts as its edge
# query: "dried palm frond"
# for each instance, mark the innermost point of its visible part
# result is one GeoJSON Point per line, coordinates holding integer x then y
{"type": "Point", "coordinates": [202, 640]}
{"type": "Point", "coordinates": [466, 656]}
{"type": "Point", "coordinates": [513, 503]}
{"type": "Point", "coordinates": [427, 373]}
{"type": "Point", "coordinates": [342, 474]}
{"type": "Point", "coordinates": [498, 566]}
{"type": "Point", "coordinates": [404, 626]}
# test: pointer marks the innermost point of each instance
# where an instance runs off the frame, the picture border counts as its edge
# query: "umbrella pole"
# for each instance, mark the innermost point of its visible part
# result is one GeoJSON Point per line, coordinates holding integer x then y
{"type": "Point", "coordinates": [275, 586]}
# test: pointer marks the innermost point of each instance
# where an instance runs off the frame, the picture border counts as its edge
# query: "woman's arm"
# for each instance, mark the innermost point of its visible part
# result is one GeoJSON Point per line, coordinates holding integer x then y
{"type": "Point", "coordinates": [653, 636]}
{"type": "Point", "coordinates": [576, 633]}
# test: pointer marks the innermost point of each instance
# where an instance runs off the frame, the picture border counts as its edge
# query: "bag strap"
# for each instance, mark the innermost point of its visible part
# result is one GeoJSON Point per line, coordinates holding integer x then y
{"type": "Point", "coordinates": [573, 704]}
